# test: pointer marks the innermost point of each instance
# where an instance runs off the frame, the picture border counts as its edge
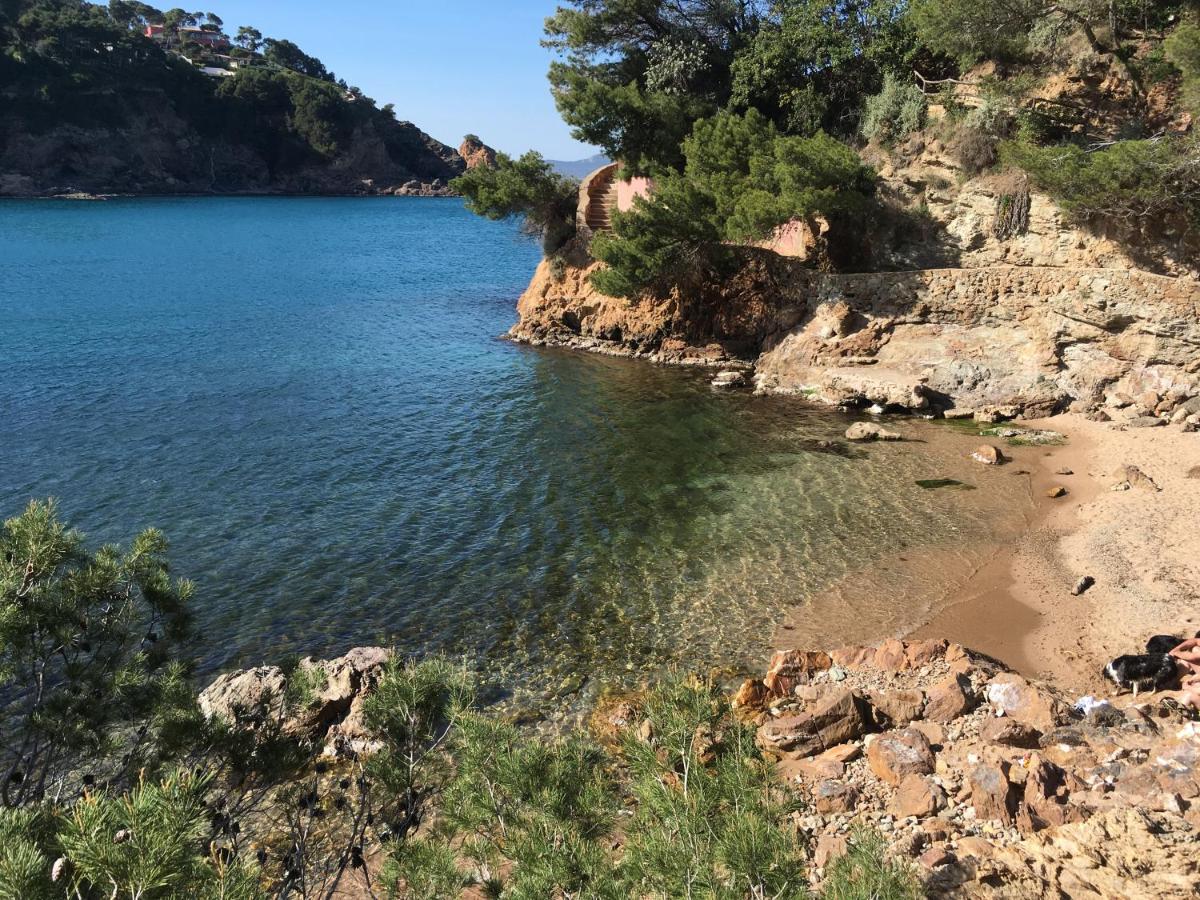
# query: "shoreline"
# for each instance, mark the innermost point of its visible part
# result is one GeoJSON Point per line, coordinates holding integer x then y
{"type": "Point", "coordinates": [1015, 605]}
{"type": "Point", "coordinates": [1140, 545]}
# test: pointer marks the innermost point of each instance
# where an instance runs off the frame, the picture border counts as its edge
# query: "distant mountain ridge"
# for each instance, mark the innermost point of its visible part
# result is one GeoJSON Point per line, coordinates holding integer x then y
{"type": "Point", "coordinates": [579, 168]}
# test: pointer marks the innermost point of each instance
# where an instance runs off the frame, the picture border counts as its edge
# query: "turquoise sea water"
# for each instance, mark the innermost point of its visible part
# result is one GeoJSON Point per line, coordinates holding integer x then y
{"type": "Point", "coordinates": [310, 398]}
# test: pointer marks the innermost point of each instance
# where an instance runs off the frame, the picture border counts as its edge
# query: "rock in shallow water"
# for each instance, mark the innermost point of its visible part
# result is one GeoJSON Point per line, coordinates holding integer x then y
{"type": "Point", "coordinates": [869, 431]}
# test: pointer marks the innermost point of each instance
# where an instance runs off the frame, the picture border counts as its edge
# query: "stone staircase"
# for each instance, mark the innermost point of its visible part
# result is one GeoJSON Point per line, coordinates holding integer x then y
{"type": "Point", "coordinates": [602, 200]}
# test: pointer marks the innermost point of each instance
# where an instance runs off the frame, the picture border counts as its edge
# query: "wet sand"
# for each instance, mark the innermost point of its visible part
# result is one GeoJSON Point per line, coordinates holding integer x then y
{"type": "Point", "coordinates": [1141, 546]}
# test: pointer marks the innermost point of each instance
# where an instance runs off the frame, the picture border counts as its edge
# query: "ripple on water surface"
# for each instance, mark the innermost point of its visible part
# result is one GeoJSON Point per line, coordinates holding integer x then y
{"type": "Point", "coordinates": [309, 398]}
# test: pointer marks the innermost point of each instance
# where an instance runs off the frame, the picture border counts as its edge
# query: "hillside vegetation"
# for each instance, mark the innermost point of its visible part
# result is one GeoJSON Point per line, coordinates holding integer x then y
{"type": "Point", "coordinates": [750, 113]}
{"type": "Point", "coordinates": [92, 103]}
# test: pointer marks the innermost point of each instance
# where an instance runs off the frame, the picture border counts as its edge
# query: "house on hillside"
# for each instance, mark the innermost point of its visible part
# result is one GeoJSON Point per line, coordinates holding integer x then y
{"type": "Point", "coordinates": [605, 191]}
{"type": "Point", "coordinates": [156, 33]}
{"type": "Point", "coordinates": [214, 40]}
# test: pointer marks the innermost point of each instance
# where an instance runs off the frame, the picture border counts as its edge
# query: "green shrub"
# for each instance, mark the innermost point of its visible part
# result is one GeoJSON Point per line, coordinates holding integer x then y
{"type": "Point", "coordinates": [1138, 182]}
{"type": "Point", "coordinates": [742, 178]}
{"type": "Point", "coordinates": [1182, 48]}
{"type": "Point", "coordinates": [710, 813]}
{"type": "Point", "coordinates": [86, 644]}
{"type": "Point", "coordinates": [531, 818]}
{"type": "Point", "coordinates": [527, 188]}
{"type": "Point", "coordinates": [148, 843]}
{"type": "Point", "coordinates": [864, 873]}
{"type": "Point", "coordinates": [896, 111]}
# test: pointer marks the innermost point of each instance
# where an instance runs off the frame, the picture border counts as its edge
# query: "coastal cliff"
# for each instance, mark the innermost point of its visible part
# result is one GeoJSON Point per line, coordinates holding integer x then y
{"type": "Point", "coordinates": [1053, 318]}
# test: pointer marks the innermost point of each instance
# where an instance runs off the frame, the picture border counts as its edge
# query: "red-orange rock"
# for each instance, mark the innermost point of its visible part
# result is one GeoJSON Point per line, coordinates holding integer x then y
{"type": "Point", "coordinates": [837, 719]}
{"type": "Point", "coordinates": [829, 848]}
{"type": "Point", "coordinates": [1013, 696]}
{"type": "Point", "coordinates": [933, 731]}
{"type": "Point", "coordinates": [1009, 733]}
{"type": "Point", "coordinates": [899, 706]}
{"type": "Point", "coordinates": [1046, 797]}
{"type": "Point", "coordinates": [992, 794]}
{"type": "Point", "coordinates": [917, 795]}
{"type": "Point", "coordinates": [790, 734]}
{"type": "Point", "coordinates": [894, 754]}
{"type": "Point", "coordinates": [975, 846]}
{"type": "Point", "coordinates": [949, 699]}
{"type": "Point", "coordinates": [889, 656]}
{"type": "Point", "coordinates": [792, 667]}
{"type": "Point", "coordinates": [752, 695]}
{"type": "Point", "coordinates": [922, 653]}
{"type": "Point", "coordinates": [831, 797]}
{"type": "Point", "coordinates": [854, 657]}
{"type": "Point", "coordinates": [841, 717]}
{"type": "Point", "coordinates": [935, 856]}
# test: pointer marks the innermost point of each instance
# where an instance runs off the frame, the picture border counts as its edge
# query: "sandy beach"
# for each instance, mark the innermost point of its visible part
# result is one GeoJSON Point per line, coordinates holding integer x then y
{"type": "Point", "coordinates": [1141, 545]}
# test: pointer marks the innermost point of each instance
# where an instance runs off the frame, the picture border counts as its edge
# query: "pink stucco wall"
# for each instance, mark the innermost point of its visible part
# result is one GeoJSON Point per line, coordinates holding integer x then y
{"type": "Point", "coordinates": [792, 238]}
{"type": "Point", "coordinates": [628, 190]}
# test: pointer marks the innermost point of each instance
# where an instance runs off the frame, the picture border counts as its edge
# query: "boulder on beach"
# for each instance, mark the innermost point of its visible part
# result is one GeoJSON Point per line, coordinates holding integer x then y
{"type": "Point", "coordinates": [988, 454]}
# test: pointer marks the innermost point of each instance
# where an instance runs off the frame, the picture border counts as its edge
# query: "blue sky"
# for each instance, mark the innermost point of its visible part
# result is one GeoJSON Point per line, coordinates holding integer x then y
{"type": "Point", "coordinates": [452, 67]}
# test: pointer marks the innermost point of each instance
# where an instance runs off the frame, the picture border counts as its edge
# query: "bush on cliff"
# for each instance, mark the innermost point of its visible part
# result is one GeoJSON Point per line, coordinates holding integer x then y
{"type": "Point", "coordinates": [1183, 49]}
{"type": "Point", "coordinates": [742, 178]}
{"type": "Point", "coordinates": [1140, 183]}
{"type": "Point", "coordinates": [896, 111]}
{"type": "Point", "coordinates": [531, 818]}
{"type": "Point", "coordinates": [527, 188]}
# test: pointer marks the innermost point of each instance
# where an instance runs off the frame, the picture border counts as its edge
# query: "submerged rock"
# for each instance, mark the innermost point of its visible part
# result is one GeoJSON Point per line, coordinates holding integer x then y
{"type": "Point", "coordinates": [869, 431]}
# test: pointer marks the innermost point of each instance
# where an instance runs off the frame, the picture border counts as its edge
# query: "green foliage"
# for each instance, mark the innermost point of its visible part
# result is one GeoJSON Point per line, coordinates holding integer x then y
{"type": "Point", "coordinates": [970, 31]}
{"type": "Point", "coordinates": [1183, 49]}
{"type": "Point", "coordinates": [532, 818]}
{"type": "Point", "coordinates": [527, 187]}
{"type": "Point", "coordinates": [895, 112]}
{"type": "Point", "coordinates": [427, 869]}
{"type": "Point", "coordinates": [147, 845]}
{"type": "Point", "coordinates": [542, 806]}
{"type": "Point", "coordinates": [863, 873]}
{"type": "Point", "coordinates": [25, 865]}
{"type": "Point", "coordinates": [412, 713]}
{"type": "Point", "coordinates": [85, 649]}
{"type": "Point", "coordinates": [709, 813]}
{"type": "Point", "coordinates": [73, 62]}
{"type": "Point", "coordinates": [811, 63]}
{"type": "Point", "coordinates": [287, 54]}
{"type": "Point", "coordinates": [741, 179]}
{"type": "Point", "coordinates": [1139, 182]}
{"type": "Point", "coordinates": [633, 75]}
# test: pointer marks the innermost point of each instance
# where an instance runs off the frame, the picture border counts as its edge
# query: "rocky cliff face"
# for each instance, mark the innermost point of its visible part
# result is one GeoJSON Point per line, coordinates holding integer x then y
{"type": "Point", "coordinates": [155, 151]}
{"type": "Point", "coordinates": [476, 153]}
{"type": "Point", "coordinates": [964, 304]}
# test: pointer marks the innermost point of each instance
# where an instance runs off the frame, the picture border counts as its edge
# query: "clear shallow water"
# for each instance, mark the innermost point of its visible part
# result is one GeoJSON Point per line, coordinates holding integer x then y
{"type": "Point", "coordinates": [309, 397]}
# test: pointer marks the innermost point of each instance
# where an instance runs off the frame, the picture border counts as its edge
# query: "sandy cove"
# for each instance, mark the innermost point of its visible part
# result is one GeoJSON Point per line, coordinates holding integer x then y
{"type": "Point", "coordinates": [1141, 546]}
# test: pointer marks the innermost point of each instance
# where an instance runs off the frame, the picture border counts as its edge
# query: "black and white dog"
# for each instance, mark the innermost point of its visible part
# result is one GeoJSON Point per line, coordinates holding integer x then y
{"type": "Point", "coordinates": [1145, 671]}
